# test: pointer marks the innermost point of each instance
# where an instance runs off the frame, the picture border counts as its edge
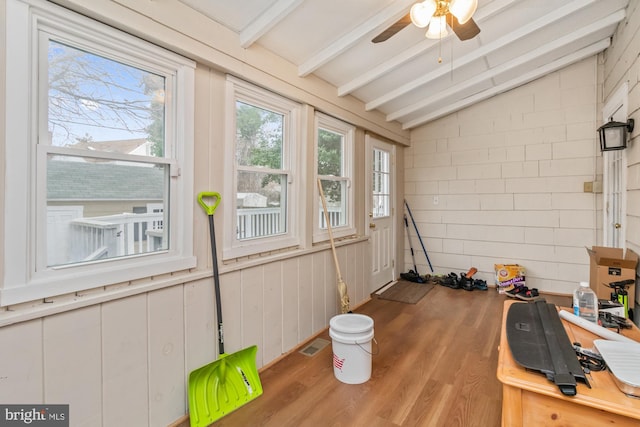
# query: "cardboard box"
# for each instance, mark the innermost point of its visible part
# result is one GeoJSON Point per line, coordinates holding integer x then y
{"type": "Point", "coordinates": [507, 275]}
{"type": "Point", "coordinates": [611, 265]}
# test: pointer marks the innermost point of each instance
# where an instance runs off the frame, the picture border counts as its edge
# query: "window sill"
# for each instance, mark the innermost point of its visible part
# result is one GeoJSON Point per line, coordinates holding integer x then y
{"type": "Point", "coordinates": [266, 258]}
{"type": "Point", "coordinates": [49, 306]}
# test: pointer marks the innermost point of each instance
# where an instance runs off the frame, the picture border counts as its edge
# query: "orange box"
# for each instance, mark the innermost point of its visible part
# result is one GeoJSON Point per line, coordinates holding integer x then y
{"type": "Point", "coordinates": [507, 275]}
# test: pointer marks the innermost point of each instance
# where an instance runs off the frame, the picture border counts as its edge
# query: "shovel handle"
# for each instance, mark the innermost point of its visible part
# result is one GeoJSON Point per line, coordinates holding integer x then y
{"type": "Point", "coordinates": [209, 209]}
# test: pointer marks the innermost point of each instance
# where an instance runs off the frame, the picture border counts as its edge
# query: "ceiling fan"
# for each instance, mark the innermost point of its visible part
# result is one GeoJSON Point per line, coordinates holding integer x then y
{"type": "Point", "coordinates": [437, 14]}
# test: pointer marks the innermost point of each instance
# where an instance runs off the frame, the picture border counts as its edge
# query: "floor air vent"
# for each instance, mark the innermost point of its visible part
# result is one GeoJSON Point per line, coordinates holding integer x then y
{"type": "Point", "coordinates": [314, 346]}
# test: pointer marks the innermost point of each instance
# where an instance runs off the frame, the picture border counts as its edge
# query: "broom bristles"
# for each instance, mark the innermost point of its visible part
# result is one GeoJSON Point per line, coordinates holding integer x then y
{"type": "Point", "coordinates": [344, 296]}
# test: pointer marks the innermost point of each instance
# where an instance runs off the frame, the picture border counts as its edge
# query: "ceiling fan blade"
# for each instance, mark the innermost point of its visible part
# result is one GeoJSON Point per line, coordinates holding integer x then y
{"type": "Point", "coordinates": [393, 29]}
{"type": "Point", "coordinates": [465, 31]}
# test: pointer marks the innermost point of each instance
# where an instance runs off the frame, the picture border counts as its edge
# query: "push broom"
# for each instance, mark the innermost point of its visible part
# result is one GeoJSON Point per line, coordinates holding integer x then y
{"type": "Point", "coordinates": [342, 286]}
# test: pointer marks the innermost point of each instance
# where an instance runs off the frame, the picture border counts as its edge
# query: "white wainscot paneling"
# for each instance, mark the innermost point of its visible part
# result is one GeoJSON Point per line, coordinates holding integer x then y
{"type": "Point", "coordinates": [291, 303]}
{"type": "Point", "coordinates": [21, 363]}
{"type": "Point", "coordinates": [273, 310]}
{"type": "Point", "coordinates": [167, 388]}
{"type": "Point", "coordinates": [306, 300]}
{"type": "Point", "coordinates": [200, 324]}
{"type": "Point", "coordinates": [253, 312]}
{"type": "Point", "coordinates": [319, 283]}
{"type": "Point", "coordinates": [125, 362]}
{"type": "Point", "coordinates": [72, 364]}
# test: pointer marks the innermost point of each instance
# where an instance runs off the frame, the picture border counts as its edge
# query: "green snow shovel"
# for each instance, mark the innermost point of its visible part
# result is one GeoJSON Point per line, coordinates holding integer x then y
{"type": "Point", "coordinates": [231, 381]}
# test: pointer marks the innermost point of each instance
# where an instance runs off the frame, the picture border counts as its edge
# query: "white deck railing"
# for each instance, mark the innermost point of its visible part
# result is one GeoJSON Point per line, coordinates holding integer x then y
{"type": "Point", "coordinates": [130, 234]}
{"type": "Point", "coordinates": [116, 235]}
{"type": "Point", "coordinates": [259, 222]}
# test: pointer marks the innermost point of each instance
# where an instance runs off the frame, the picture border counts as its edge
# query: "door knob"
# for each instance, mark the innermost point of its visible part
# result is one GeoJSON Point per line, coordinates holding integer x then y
{"type": "Point", "coordinates": [372, 225]}
{"type": "Point", "coordinates": [617, 225]}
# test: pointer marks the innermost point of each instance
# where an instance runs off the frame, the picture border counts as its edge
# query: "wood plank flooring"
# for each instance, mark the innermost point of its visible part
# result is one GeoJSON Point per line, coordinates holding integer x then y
{"type": "Point", "coordinates": [436, 367]}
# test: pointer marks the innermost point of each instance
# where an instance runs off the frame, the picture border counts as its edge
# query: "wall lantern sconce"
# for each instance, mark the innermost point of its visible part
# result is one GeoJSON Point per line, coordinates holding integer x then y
{"type": "Point", "coordinates": [613, 135]}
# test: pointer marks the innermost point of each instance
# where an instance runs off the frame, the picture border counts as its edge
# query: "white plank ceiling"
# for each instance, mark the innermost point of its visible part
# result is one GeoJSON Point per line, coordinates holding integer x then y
{"type": "Point", "coordinates": [519, 41]}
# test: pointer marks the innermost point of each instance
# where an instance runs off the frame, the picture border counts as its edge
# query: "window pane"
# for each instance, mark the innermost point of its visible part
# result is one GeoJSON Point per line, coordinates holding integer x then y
{"type": "Point", "coordinates": [261, 205]}
{"type": "Point", "coordinates": [259, 135]}
{"type": "Point", "coordinates": [100, 209]}
{"type": "Point", "coordinates": [335, 193]}
{"type": "Point", "coordinates": [381, 190]}
{"type": "Point", "coordinates": [99, 104]}
{"type": "Point", "coordinates": [330, 148]}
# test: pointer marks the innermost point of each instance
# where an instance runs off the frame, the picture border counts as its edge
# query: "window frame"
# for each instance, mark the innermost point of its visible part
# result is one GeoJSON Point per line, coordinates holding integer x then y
{"type": "Point", "coordinates": [239, 90]}
{"type": "Point", "coordinates": [28, 21]}
{"type": "Point", "coordinates": [326, 122]}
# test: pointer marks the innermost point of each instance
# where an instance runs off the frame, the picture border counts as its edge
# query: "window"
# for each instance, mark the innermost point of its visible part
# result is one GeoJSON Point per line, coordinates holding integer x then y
{"type": "Point", "coordinates": [99, 156]}
{"type": "Point", "coordinates": [381, 184]}
{"type": "Point", "coordinates": [334, 160]}
{"type": "Point", "coordinates": [263, 169]}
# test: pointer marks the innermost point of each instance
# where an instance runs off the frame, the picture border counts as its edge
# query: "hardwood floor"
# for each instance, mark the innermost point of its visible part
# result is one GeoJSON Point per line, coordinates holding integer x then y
{"type": "Point", "coordinates": [436, 367]}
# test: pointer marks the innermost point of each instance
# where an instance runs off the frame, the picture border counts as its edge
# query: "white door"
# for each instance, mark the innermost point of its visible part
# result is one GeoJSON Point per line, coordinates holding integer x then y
{"type": "Point", "coordinates": [380, 210]}
{"type": "Point", "coordinates": [614, 176]}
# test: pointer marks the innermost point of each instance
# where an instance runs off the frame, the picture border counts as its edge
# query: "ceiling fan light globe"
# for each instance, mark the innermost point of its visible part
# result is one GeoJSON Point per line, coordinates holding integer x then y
{"type": "Point", "coordinates": [437, 28]}
{"type": "Point", "coordinates": [421, 13]}
{"type": "Point", "coordinates": [463, 10]}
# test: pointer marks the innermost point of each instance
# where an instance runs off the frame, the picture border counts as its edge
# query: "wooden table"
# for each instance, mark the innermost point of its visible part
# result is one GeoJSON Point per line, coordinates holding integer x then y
{"type": "Point", "coordinates": [530, 399]}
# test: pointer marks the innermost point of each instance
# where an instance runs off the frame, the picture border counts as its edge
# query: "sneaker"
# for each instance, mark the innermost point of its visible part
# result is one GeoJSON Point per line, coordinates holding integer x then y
{"type": "Point", "coordinates": [527, 294]}
{"type": "Point", "coordinates": [412, 276]}
{"type": "Point", "coordinates": [466, 283]}
{"type": "Point", "coordinates": [480, 284]}
{"type": "Point", "coordinates": [511, 293]}
{"type": "Point", "coordinates": [451, 281]}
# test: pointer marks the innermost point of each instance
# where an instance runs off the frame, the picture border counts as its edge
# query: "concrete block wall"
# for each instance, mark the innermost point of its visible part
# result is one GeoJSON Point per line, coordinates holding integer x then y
{"type": "Point", "coordinates": [503, 182]}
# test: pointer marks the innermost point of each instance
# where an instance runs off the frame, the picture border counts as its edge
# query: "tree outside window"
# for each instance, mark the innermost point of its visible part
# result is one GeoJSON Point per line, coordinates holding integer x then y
{"type": "Point", "coordinates": [94, 204]}
{"type": "Point", "coordinates": [334, 156]}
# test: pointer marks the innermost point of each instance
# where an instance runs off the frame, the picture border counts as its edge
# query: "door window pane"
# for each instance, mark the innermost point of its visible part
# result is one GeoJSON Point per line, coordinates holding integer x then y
{"type": "Point", "coordinates": [381, 190]}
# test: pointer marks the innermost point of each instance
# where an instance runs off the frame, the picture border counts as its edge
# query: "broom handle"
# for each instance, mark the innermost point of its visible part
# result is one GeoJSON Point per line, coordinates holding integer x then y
{"type": "Point", "coordinates": [326, 218]}
{"type": "Point", "coordinates": [209, 209]}
{"type": "Point", "coordinates": [216, 282]}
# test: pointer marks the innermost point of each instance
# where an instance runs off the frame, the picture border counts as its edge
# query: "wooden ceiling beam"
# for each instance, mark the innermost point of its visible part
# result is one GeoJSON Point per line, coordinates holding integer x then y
{"type": "Point", "coordinates": [393, 12]}
{"type": "Point", "coordinates": [530, 28]}
{"type": "Point", "coordinates": [511, 84]}
{"type": "Point", "coordinates": [555, 45]}
{"type": "Point", "coordinates": [267, 20]}
{"type": "Point", "coordinates": [389, 65]}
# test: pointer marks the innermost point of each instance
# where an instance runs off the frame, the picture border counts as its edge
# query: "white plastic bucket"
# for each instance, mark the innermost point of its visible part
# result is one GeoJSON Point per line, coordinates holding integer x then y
{"type": "Point", "coordinates": [351, 336]}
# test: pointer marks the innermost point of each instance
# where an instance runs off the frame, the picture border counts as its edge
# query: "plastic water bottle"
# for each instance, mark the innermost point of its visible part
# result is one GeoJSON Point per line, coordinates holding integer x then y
{"type": "Point", "coordinates": [585, 303]}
